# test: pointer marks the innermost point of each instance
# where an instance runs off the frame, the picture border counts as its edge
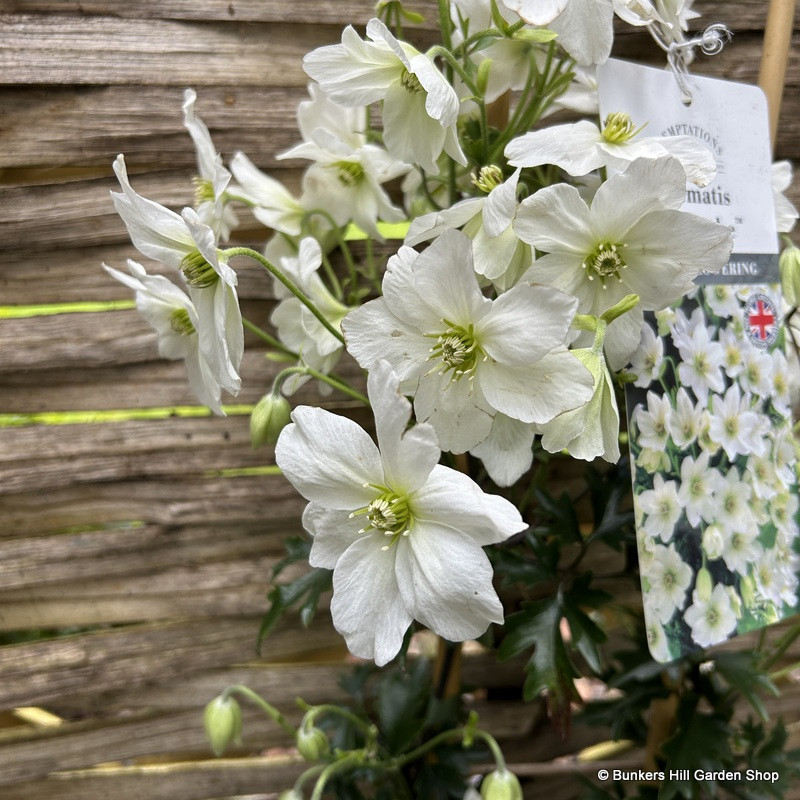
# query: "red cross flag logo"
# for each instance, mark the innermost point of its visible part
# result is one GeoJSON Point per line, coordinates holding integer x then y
{"type": "Point", "coordinates": [761, 320]}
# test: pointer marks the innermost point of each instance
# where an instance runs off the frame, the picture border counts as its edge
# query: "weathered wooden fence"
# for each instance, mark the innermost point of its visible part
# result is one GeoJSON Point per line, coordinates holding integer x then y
{"type": "Point", "coordinates": [136, 537]}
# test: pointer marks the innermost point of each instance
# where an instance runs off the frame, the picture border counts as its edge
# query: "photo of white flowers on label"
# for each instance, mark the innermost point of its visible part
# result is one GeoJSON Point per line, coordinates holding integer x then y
{"type": "Point", "coordinates": [715, 492]}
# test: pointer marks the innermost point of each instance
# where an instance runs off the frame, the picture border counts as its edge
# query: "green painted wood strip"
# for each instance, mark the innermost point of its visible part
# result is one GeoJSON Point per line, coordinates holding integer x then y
{"type": "Point", "coordinates": [52, 309]}
{"type": "Point", "coordinates": [14, 420]}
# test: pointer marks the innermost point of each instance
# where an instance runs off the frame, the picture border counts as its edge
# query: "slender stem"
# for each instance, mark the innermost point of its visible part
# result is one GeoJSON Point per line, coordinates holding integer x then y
{"type": "Point", "coordinates": [232, 252]}
{"type": "Point", "coordinates": [303, 369]}
{"type": "Point", "coordinates": [335, 285]}
{"type": "Point", "coordinates": [238, 198]}
{"type": "Point", "coordinates": [268, 338]}
{"type": "Point", "coordinates": [341, 242]}
{"type": "Point", "coordinates": [308, 774]}
{"type": "Point", "coordinates": [315, 711]}
{"type": "Point", "coordinates": [331, 769]}
{"type": "Point", "coordinates": [268, 709]}
{"type": "Point", "coordinates": [783, 645]}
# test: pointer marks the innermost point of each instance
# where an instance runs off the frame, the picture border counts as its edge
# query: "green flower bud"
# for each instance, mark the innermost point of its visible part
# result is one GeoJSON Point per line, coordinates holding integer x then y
{"type": "Point", "coordinates": [270, 416]}
{"type": "Point", "coordinates": [747, 590]}
{"type": "Point", "coordinates": [222, 720]}
{"type": "Point", "coordinates": [290, 794]}
{"type": "Point", "coordinates": [313, 744]}
{"type": "Point", "coordinates": [501, 785]}
{"type": "Point", "coordinates": [704, 585]}
{"type": "Point", "coordinates": [790, 275]}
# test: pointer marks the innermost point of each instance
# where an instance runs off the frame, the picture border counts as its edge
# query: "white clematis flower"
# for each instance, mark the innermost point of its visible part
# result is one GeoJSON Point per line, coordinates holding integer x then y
{"type": "Point", "coordinates": [499, 255]}
{"type": "Point", "coordinates": [297, 327]}
{"type": "Point", "coordinates": [402, 534]}
{"type": "Point", "coordinates": [463, 356]}
{"type": "Point", "coordinates": [187, 244]}
{"type": "Point", "coordinates": [582, 147]}
{"type": "Point", "coordinates": [420, 107]}
{"type": "Point", "coordinates": [633, 240]}
{"type": "Point", "coordinates": [345, 179]}
{"type": "Point", "coordinates": [273, 204]}
{"type": "Point", "coordinates": [711, 619]}
{"type": "Point", "coordinates": [669, 578]}
{"type": "Point", "coordinates": [213, 178]}
{"type": "Point", "coordinates": [662, 507]}
{"type": "Point", "coordinates": [171, 313]}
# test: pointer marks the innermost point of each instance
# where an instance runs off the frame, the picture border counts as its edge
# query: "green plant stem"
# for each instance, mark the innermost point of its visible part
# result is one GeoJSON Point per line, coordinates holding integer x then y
{"type": "Point", "coordinates": [334, 281]}
{"type": "Point", "coordinates": [784, 643]}
{"type": "Point", "coordinates": [268, 338]}
{"type": "Point", "coordinates": [307, 775]}
{"type": "Point", "coordinates": [340, 241]}
{"type": "Point", "coordinates": [332, 769]}
{"type": "Point", "coordinates": [268, 709]}
{"type": "Point", "coordinates": [232, 252]}
{"type": "Point", "coordinates": [303, 369]}
{"type": "Point", "coordinates": [315, 711]}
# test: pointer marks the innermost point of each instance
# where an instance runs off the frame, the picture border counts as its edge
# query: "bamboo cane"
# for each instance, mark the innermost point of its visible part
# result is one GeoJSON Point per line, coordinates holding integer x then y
{"type": "Point", "coordinates": [774, 58]}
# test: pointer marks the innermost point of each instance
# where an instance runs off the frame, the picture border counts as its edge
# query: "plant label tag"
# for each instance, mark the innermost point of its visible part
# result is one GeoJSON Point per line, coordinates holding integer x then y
{"type": "Point", "coordinates": [709, 420]}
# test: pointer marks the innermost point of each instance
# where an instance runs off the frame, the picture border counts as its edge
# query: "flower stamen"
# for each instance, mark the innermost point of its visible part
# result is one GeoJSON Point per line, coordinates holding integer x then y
{"type": "Point", "coordinates": [605, 262]}
{"type": "Point", "coordinates": [619, 128]}
{"type": "Point", "coordinates": [197, 271]}
{"type": "Point", "coordinates": [181, 323]}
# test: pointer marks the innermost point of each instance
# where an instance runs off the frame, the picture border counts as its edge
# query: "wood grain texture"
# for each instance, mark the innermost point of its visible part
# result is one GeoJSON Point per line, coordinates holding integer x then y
{"type": "Point", "coordinates": [121, 658]}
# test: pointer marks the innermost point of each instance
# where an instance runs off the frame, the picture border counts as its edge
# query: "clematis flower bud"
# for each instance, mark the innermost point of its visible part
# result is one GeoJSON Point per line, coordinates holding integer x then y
{"type": "Point", "coordinates": [501, 785]}
{"type": "Point", "coordinates": [222, 720]}
{"type": "Point", "coordinates": [270, 416]}
{"type": "Point", "coordinates": [703, 586]}
{"type": "Point", "coordinates": [290, 794]}
{"type": "Point", "coordinates": [312, 743]}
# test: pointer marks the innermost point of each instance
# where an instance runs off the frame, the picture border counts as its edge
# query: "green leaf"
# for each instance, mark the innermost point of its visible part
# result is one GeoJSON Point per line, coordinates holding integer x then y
{"type": "Point", "coordinates": [701, 742]}
{"type": "Point", "coordinates": [564, 520]}
{"type": "Point", "coordinates": [741, 672]}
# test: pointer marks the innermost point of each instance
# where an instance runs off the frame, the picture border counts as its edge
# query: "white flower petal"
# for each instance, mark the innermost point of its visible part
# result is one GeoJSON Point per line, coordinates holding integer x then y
{"type": "Point", "coordinates": [329, 459]}
{"type": "Point", "coordinates": [501, 206]}
{"type": "Point", "coordinates": [573, 147]}
{"type": "Point", "coordinates": [408, 457]}
{"type": "Point", "coordinates": [430, 225]}
{"type": "Point", "coordinates": [557, 383]}
{"type": "Point", "coordinates": [507, 452]}
{"type": "Point", "coordinates": [536, 12]}
{"type": "Point", "coordinates": [454, 500]}
{"type": "Point", "coordinates": [556, 218]}
{"type": "Point", "coordinates": [367, 607]}
{"type": "Point", "coordinates": [333, 531]}
{"type": "Point", "coordinates": [526, 323]}
{"type": "Point", "coordinates": [446, 582]}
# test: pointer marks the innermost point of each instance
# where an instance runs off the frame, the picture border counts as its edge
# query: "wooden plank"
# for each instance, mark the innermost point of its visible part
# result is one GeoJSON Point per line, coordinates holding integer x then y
{"type": "Point", "coordinates": [229, 588]}
{"type": "Point", "coordinates": [77, 745]}
{"type": "Point", "coordinates": [120, 658]}
{"type": "Point", "coordinates": [218, 501]}
{"type": "Point", "coordinates": [748, 15]}
{"type": "Point", "coordinates": [86, 339]}
{"type": "Point", "coordinates": [145, 124]}
{"type": "Point", "coordinates": [333, 12]}
{"type": "Point", "coordinates": [158, 384]}
{"type": "Point", "coordinates": [64, 50]}
{"type": "Point", "coordinates": [33, 562]}
{"type": "Point", "coordinates": [80, 213]}
{"type": "Point", "coordinates": [89, 125]}
{"type": "Point", "coordinates": [180, 781]}
{"type": "Point", "coordinates": [139, 449]}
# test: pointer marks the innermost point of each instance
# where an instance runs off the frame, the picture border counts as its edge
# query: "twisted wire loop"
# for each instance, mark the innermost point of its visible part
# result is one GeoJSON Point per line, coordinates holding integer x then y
{"type": "Point", "coordinates": [680, 54]}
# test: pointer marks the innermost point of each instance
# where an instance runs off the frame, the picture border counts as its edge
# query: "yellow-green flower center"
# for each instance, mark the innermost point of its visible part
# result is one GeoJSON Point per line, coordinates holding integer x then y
{"type": "Point", "coordinates": [180, 322]}
{"type": "Point", "coordinates": [197, 271]}
{"type": "Point", "coordinates": [203, 191]}
{"type": "Point", "coordinates": [411, 82]}
{"type": "Point", "coordinates": [619, 128]}
{"type": "Point", "coordinates": [489, 178]}
{"type": "Point", "coordinates": [350, 173]}
{"type": "Point", "coordinates": [456, 351]}
{"type": "Point", "coordinates": [388, 512]}
{"type": "Point", "coordinates": [605, 262]}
